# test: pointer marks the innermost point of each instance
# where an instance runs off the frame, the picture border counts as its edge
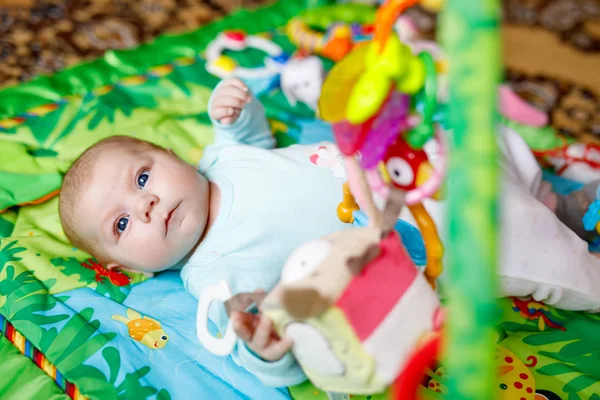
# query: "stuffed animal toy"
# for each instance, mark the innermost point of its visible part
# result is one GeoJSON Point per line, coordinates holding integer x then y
{"type": "Point", "coordinates": [301, 80]}
{"type": "Point", "coordinates": [358, 309]}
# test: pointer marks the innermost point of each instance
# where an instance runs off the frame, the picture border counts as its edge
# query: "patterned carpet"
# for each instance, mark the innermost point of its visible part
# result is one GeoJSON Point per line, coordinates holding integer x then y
{"type": "Point", "coordinates": [43, 36]}
{"type": "Point", "coordinates": [551, 47]}
{"type": "Point", "coordinates": [552, 59]}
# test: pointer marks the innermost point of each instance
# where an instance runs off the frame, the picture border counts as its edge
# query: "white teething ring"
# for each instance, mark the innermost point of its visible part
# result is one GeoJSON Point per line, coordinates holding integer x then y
{"type": "Point", "coordinates": [219, 346]}
{"type": "Point", "coordinates": [223, 66]}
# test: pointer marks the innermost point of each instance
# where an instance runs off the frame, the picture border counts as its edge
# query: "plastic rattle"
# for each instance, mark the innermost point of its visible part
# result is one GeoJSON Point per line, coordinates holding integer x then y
{"type": "Point", "coordinates": [345, 25]}
{"type": "Point", "coordinates": [396, 67]}
{"type": "Point", "coordinates": [224, 66]}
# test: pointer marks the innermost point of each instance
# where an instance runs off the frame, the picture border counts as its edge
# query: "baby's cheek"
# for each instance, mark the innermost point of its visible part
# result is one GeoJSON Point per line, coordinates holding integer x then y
{"type": "Point", "coordinates": [152, 254]}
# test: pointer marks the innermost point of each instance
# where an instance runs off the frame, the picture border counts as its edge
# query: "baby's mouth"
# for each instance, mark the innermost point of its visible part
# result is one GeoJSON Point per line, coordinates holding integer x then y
{"type": "Point", "coordinates": [168, 220]}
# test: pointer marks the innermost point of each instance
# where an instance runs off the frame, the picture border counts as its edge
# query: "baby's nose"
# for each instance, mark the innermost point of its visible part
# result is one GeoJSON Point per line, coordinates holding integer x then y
{"type": "Point", "coordinates": [150, 207]}
{"type": "Point", "coordinates": [146, 205]}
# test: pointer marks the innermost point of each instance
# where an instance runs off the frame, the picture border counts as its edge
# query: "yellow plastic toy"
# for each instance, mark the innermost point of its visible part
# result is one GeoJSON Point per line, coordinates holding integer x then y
{"type": "Point", "coordinates": [347, 207]}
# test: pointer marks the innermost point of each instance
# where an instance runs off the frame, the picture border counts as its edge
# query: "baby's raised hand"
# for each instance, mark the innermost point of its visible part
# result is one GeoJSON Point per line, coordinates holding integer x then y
{"type": "Point", "coordinates": [259, 335]}
{"type": "Point", "coordinates": [229, 100]}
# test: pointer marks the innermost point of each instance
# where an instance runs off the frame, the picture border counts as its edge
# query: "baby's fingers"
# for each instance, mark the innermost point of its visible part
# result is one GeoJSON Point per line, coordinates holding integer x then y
{"type": "Point", "coordinates": [277, 349]}
{"type": "Point", "coordinates": [233, 91]}
{"type": "Point", "coordinates": [228, 101]}
{"type": "Point", "coordinates": [221, 113]}
{"type": "Point", "coordinates": [262, 335]}
{"type": "Point", "coordinates": [243, 324]}
{"type": "Point", "coordinates": [230, 119]}
{"type": "Point", "coordinates": [236, 83]}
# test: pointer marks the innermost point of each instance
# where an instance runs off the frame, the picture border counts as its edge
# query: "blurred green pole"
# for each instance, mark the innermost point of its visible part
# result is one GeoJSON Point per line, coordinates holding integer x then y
{"type": "Point", "coordinates": [471, 37]}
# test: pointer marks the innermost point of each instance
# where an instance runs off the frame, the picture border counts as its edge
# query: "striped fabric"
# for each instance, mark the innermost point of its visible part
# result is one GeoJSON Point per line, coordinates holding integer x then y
{"type": "Point", "coordinates": [25, 347]}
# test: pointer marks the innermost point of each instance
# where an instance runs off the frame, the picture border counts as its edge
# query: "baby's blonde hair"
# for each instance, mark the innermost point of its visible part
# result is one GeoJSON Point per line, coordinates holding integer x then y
{"type": "Point", "coordinates": [76, 180]}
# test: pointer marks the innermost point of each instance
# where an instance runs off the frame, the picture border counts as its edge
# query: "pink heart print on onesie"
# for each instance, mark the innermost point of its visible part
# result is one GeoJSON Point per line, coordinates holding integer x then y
{"type": "Point", "coordinates": [327, 155]}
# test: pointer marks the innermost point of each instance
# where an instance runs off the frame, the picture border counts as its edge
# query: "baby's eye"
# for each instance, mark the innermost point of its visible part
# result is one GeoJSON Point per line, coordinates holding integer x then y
{"type": "Point", "coordinates": [122, 224]}
{"type": "Point", "coordinates": [142, 179]}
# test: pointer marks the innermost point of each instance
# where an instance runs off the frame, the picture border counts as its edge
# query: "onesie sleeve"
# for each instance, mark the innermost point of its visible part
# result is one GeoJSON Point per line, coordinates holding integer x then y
{"type": "Point", "coordinates": [250, 128]}
{"type": "Point", "coordinates": [280, 373]}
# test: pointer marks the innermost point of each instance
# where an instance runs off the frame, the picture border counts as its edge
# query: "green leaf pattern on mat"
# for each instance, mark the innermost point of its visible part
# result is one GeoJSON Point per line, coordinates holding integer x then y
{"type": "Point", "coordinates": [563, 352]}
{"type": "Point", "coordinates": [26, 301]}
{"type": "Point", "coordinates": [96, 384]}
{"type": "Point", "coordinates": [101, 284]}
{"type": "Point", "coordinates": [7, 223]}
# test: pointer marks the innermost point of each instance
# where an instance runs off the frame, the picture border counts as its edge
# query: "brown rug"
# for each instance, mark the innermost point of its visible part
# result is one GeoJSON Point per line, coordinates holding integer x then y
{"type": "Point", "coordinates": [551, 47]}
{"type": "Point", "coordinates": [43, 36]}
{"type": "Point", "coordinates": [552, 59]}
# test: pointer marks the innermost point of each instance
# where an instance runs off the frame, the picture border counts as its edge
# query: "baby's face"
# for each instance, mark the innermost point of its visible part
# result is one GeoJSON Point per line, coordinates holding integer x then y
{"type": "Point", "coordinates": [145, 209]}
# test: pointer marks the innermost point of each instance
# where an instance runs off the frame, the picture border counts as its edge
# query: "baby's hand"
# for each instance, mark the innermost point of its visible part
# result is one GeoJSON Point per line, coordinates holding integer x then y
{"type": "Point", "coordinates": [259, 335]}
{"type": "Point", "coordinates": [229, 100]}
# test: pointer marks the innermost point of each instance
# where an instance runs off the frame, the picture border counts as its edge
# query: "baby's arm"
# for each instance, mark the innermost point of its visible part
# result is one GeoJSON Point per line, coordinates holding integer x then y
{"type": "Point", "coordinates": [238, 117]}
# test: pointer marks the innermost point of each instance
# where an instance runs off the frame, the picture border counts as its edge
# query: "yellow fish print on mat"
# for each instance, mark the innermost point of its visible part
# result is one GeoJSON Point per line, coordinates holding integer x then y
{"type": "Point", "coordinates": [145, 330]}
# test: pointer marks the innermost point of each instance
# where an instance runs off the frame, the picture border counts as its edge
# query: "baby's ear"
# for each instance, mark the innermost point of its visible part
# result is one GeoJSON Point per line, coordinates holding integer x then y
{"type": "Point", "coordinates": [112, 266]}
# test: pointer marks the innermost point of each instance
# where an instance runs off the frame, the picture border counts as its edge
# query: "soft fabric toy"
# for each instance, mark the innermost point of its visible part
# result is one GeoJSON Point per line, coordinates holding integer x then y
{"type": "Point", "coordinates": [358, 309]}
{"type": "Point", "coordinates": [301, 80]}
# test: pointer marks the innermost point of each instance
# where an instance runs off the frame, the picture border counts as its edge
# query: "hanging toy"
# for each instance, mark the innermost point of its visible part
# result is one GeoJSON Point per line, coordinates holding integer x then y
{"type": "Point", "coordinates": [409, 170]}
{"type": "Point", "coordinates": [369, 98]}
{"type": "Point", "coordinates": [345, 26]}
{"type": "Point", "coordinates": [224, 66]}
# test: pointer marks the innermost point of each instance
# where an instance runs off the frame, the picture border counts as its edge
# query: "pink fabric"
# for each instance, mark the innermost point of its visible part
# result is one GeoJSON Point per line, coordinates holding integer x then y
{"type": "Point", "coordinates": [370, 297]}
{"type": "Point", "coordinates": [518, 110]}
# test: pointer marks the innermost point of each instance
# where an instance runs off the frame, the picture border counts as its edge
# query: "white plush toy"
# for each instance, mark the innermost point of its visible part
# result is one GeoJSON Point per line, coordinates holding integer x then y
{"type": "Point", "coordinates": [301, 80]}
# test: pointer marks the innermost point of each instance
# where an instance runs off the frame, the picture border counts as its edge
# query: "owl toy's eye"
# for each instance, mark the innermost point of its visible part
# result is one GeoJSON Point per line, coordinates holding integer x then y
{"type": "Point", "coordinates": [400, 172]}
{"type": "Point", "coordinates": [305, 260]}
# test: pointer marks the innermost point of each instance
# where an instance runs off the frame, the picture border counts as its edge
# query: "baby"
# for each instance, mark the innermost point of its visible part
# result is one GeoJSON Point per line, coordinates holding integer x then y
{"type": "Point", "coordinates": [138, 207]}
